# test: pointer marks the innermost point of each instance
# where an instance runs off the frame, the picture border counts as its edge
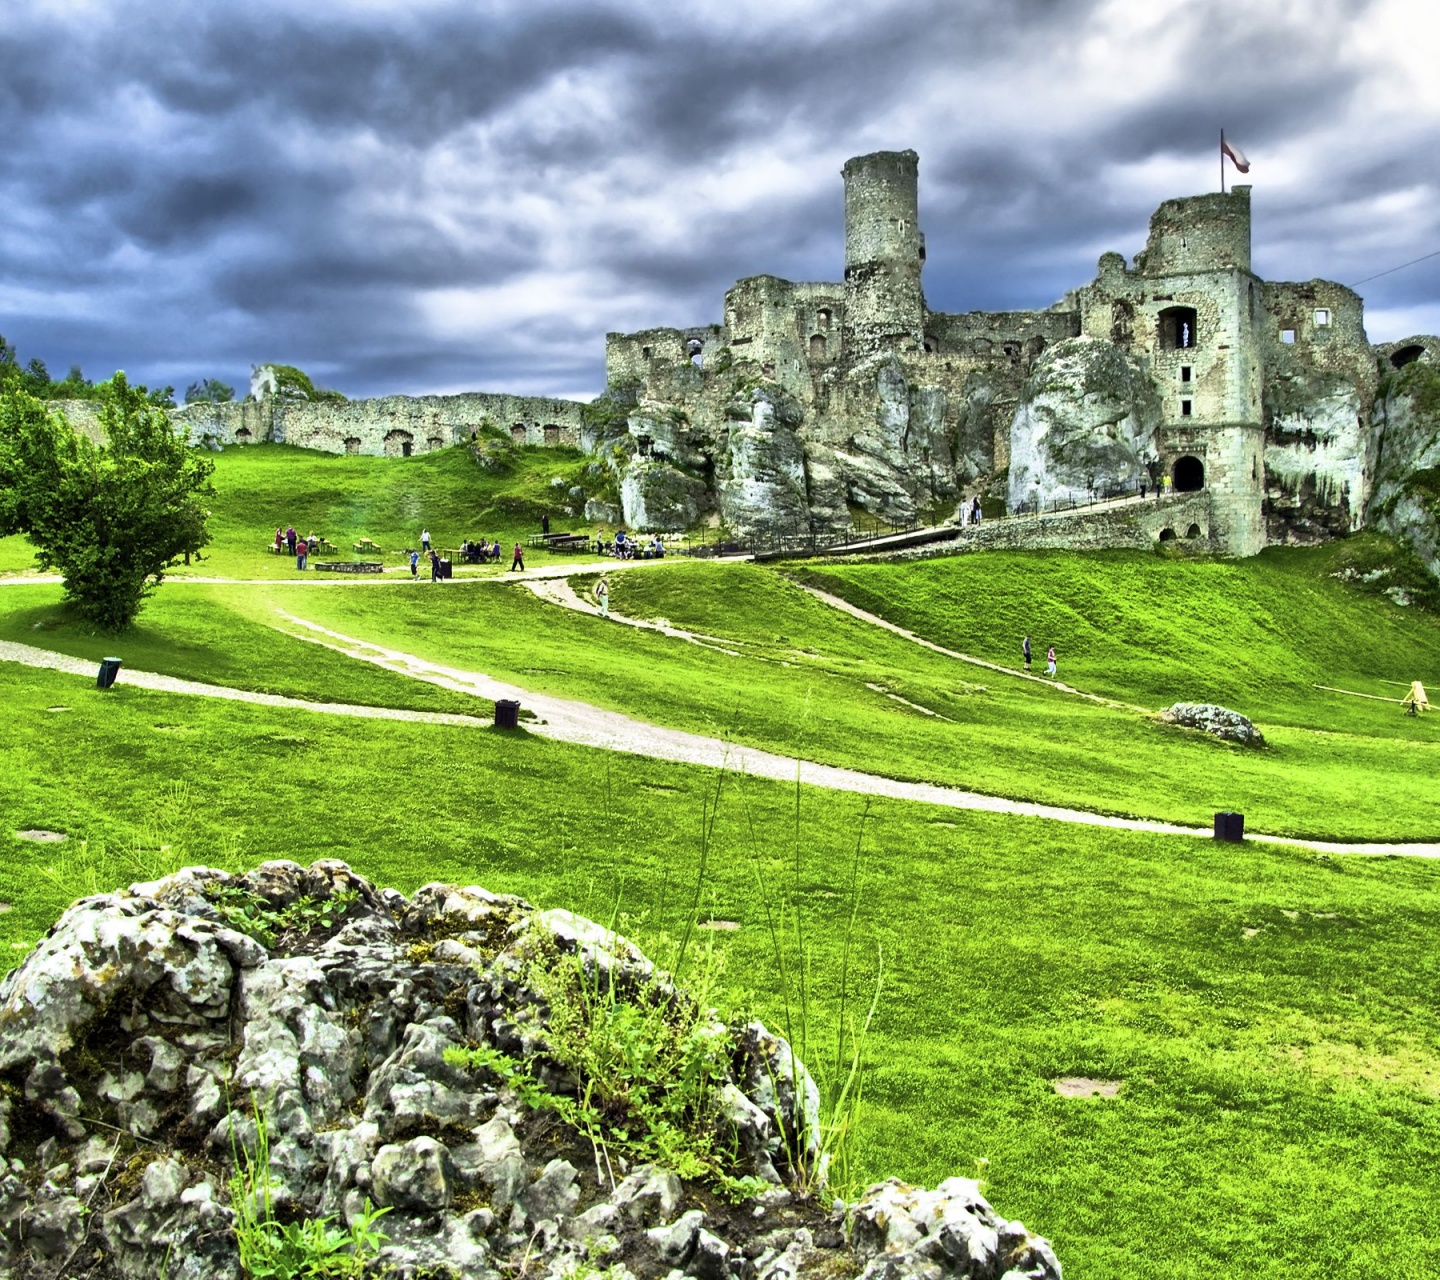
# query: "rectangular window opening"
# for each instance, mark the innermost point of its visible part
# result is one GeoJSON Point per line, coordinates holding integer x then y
{"type": "Point", "coordinates": [1184, 373]}
{"type": "Point", "coordinates": [1287, 335]}
{"type": "Point", "coordinates": [1322, 317]}
{"type": "Point", "coordinates": [1185, 408]}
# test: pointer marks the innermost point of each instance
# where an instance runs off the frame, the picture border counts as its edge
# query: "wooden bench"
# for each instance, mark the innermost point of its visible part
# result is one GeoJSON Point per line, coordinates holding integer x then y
{"type": "Point", "coordinates": [349, 566]}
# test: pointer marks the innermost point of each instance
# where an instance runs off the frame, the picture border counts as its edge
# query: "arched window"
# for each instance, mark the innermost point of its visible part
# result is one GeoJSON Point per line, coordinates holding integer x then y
{"type": "Point", "coordinates": [1177, 328]}
{"type": "Point", "coordinates": [399, 444]}
{"type": "Point", "coordinates": [822, 318]}
{"type": "Point", "coordinates": [352, 444]}
{"type": "Point", "coordinates": [1167, 535]}
{"type": "Point", "coordinates": [517, 433]}
{"type": "Point", "coordinates": [242, 436]}
{"type": "Point", "coordinates": [932, 344]}
{"type": "Point", "coordinates": [817, 347]}
{"type": "Point", "coordinates": [1398, 359]}
{"type": "Point", "coordinates": [435, 442]}
{"type": "Point", "coordinates": [1193, 531]}
{"type": "Point", "coordinates": [1188, 475]}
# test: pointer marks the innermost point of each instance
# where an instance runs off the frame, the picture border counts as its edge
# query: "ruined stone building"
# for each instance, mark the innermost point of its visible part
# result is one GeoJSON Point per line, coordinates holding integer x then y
{"type": "Point", "coordinates": [1182, 369]}
{"type": "Point", "coordinates": [1255, 407]}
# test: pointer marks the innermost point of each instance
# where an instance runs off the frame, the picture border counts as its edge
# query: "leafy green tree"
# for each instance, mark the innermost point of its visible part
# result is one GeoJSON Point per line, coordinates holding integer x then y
{"type": "Point", "coordinates": [209, 391]}
{"type": "Point", "coordinates": [111, 517]}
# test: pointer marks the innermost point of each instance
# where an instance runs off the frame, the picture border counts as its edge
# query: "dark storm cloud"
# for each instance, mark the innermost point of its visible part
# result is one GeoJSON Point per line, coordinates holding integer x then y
{"type": "Point", "coordinates": [441, 195]}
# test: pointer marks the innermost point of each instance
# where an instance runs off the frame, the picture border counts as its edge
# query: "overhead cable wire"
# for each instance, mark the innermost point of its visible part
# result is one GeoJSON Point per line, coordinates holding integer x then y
{"type": "Point", "coordinates": [1393, 270]}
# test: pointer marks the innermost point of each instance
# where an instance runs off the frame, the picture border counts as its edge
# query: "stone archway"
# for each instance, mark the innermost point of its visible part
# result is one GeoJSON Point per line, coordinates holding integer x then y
{"type": "Point", "coordinates": [1188, 474]}
{"type": "Point", "coordinates": [399, 444]}
{"type": "Point", "coordinates": [1167, 535]}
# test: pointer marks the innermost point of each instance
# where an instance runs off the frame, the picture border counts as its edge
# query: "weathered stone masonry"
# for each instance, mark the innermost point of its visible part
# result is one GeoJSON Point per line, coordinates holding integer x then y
{"type": "Point", "coordinates": [810, 403]}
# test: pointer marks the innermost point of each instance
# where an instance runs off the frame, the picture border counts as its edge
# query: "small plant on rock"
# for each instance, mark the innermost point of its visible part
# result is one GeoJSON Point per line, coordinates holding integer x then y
{"type": "Point", "coordinates": [272, 1250]}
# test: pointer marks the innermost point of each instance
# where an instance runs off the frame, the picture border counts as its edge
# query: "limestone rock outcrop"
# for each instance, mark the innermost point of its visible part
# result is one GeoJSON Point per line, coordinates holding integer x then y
{"type": "Point", "coordinates": [1405, 500]}
{"type": "Point", "coordinates": [762, 474]}
{"type": "Point", "coordinates": [1085, 425]}
{"type": "Point", "coordinates": [300, 1027]}
{"type": "Point", "coordinates": [1219, 722]}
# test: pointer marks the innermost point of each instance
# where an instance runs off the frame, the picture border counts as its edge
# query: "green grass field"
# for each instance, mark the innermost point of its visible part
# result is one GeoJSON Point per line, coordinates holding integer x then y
{"type": "Point", "coordinates": [1271, 1015]}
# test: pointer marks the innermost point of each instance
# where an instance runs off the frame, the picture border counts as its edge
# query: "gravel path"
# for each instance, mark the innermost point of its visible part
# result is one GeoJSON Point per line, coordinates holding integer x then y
{"type": "Point", "coordinates": [581, 724]}
{"type": "Point", "coordinates": [836, 602]}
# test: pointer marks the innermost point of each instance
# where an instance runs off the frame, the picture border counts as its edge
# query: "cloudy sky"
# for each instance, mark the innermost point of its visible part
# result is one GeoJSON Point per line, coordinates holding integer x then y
{"type": "Point", "coordinates": [438, 195]}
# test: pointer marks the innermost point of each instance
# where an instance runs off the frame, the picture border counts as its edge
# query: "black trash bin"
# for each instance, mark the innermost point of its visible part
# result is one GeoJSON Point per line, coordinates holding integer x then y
{"type": "Point", "coordinates": [1230, 826]}
{"type": "Point", "coordinates": [447, 568]}
{"type": "Point", "coordinates": [507, 714]}
{"type": "Point", "coordinates": [109, 669]}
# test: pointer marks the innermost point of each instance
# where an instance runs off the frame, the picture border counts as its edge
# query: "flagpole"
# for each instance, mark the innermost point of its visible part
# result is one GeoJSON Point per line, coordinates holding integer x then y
{"type": "Point", "coordinates": [1222, 162]}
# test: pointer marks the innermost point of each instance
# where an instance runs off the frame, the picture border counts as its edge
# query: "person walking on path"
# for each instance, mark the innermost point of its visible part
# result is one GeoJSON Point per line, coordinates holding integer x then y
{"type": "Point", "coordinates": [519, 560]}
{"type": "Point", "coordinates": [1050, 662]}
{"type": "Point", "coordinates": [602, 594]}
{"type": "Point", "coordinates": [975, 510]}
{"type": "Point", "coordinates": [434, 566]}
{"type": "Point", "coordinates": [1025, 650]}
{"type": "Point", "coordinates": [425, 541]}
{"type": "Point", "coordinates": [414, 566]}
{"type": "Point", "coordinates": [302, 549]}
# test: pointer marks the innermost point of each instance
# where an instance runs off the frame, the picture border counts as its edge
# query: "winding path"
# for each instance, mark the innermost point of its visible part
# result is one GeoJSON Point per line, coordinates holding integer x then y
{"type": "Point", "coordinates": [582, 724]}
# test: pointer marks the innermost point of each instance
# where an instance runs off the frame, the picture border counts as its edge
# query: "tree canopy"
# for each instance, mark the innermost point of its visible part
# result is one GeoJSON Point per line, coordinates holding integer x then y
{"type": "Point", "coordinates": [110, 517]}
{"type": "Point", "coordinates": [35, 378]}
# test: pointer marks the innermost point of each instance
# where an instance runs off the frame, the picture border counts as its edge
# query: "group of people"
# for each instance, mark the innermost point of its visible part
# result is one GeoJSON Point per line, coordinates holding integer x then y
{"type": "Point", "coordinates": [1049, 657]}
{"type": "Point", "coordinates": [482, 552]}
{"type": "Point", "coordinates": [287, 541]}
{"type": "Point", "coordinates": [970, 511]}
{"type": "Point", "coordinates": [624, 547]}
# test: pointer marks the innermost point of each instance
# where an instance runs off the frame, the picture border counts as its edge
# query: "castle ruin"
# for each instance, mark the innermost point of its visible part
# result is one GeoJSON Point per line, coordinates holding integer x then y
{"type": "Point", "coordinates": [1250, 404]}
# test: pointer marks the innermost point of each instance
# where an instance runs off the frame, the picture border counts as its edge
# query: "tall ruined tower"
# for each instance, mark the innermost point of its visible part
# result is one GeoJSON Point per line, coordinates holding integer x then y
{"type": "Point", "coordinates": [1202, 343]}
{"type": "Point", "coordinates": [884, 252]}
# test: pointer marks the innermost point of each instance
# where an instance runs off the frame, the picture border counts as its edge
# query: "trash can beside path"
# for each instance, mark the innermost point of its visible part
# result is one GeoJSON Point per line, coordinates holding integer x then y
{"type": "Point", "coordinates": [109, 669]}
{"type": "Point", "coordinates": [507, 713]}
{"type": "Point", "coordinates": [1230, 826]}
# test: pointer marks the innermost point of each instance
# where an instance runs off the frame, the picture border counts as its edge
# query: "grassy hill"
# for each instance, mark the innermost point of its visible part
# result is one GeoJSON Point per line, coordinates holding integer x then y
{"type": "Point", "coordinates": [1270, 1015]}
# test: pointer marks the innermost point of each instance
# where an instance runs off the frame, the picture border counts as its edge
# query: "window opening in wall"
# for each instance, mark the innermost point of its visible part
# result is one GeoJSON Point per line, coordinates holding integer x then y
{"type": "Point", "coordinates": [1252, 300]}
{"type": "Point", "coordinates": [243, 436]}
{"type": "Point", "coordinates": [1322, 317]}
{"type": "Point", "coordinates": [352, 444]}
{"type": "Point", "coordinates": [817, 346]}
{"type": "Point", "coordinates": [693, 348]}
{"type": "Point", "coordinates": [517, 433]}
{"type": "Point", "coordinates": [1193, 531]}
{"type": "Point", "coordinates": [1287, 336]}
{"type": "Point", "coordinates": [822, 318]}
{"type": "Point", "coordinates": [767, 370]}
{"type": "Point", "coordinates": [1188, 475]}
{"type": "Point", "coordinates": [900, 224]}
{"type": "Point", "coordinates": [922, 246]}
{"type": "Point", "coordinates": [1406, 355]}
{"type": "Point", "coordinates": [1177, 328]}
{"type": "Point", "coordinates": [647, 352]}
{"type": "Point", "coordinates": [1167, 535]}
{"type": "Point", "coordinates": [1185, 408]}
{"type": "Point", "coordinates": [644, 444]}
{"type": "Point", "coordinates": [932, 343]}
{"type": "Point", "coordinates": [435, 442]}
{"type": "Point", "coordinates": [1254, 469]}
{"type": "Point", "coordinates": [1184, 373]}
{"type": "Point", "coordinates": [552, 433]}
{"type": "Point", "coordinates": [1013, 352]}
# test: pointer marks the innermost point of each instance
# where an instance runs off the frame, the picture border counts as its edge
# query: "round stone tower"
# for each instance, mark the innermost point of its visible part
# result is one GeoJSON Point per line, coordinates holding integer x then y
{"type": "Point", "coordinates": [884, 251]}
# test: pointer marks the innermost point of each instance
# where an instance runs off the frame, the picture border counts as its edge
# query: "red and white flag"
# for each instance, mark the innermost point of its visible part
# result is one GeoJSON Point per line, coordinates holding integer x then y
{"type": "Point", "coordinates": [1237, 157]}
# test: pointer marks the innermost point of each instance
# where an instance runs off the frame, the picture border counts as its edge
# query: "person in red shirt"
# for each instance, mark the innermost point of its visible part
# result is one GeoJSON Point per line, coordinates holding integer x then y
{"type": "Point", "coordinates": [519, 561]}
{"type": "Point", "coordinates": [302, 549]}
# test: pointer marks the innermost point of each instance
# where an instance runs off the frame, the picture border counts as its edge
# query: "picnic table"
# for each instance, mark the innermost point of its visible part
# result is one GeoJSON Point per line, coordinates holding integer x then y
{"type": "Point", "coordinates": [560, 541]}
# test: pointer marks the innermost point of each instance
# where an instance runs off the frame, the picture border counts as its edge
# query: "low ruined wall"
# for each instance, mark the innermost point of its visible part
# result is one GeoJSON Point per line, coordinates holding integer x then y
{"type": "Point", "coordinates": [383, 426]}
{"type": "Point", "coordinates": [1133, 526]}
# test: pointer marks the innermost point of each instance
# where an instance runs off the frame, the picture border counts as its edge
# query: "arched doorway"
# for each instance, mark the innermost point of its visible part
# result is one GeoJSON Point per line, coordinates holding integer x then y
{"type": "Point", "coordinates": [1177, 328]}
{"type": "Point", "coordinates": [398, 444]}
{"type": "Point", "coordinates": [1167, 535]}
{"type": "Point", "coordinates": [1188, 475]}
{"type": "Point", "coordinates": [1193, 531]}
